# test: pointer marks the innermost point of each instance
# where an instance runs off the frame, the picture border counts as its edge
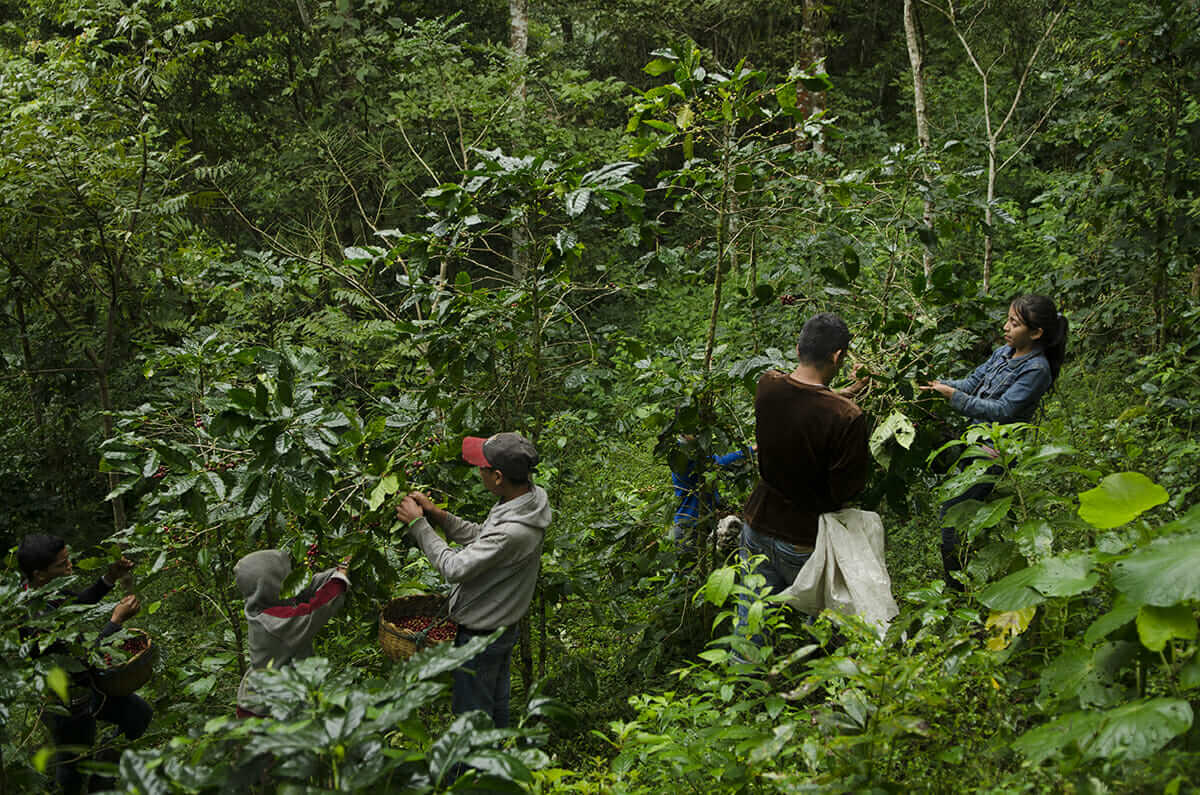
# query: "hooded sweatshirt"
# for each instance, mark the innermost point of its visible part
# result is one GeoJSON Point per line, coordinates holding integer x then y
{"type": "Point", "coordinates": [495, 571]}
{"type": "Point", "coordinates": [281, 630]}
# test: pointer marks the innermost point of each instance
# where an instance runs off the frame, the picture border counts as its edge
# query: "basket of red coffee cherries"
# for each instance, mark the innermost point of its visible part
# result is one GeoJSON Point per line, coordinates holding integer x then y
{"type": "Point", "coordinates": [408, 624]}
{"type": "Point", "coordinates": [127, 662]}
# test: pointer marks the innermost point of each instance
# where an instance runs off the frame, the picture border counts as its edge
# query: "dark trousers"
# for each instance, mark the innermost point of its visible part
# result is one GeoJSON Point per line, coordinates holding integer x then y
{"type": "Point", "coordinates": [953, 558]}
{"type": "Point", "coordinates": [483, 683]}
{"type": "Point", "coordinates": [75, 734]}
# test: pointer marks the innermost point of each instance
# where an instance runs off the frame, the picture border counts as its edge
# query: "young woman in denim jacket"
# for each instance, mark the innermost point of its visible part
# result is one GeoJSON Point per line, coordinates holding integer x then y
{"type": "Point", "coordinates": [1006, 388]}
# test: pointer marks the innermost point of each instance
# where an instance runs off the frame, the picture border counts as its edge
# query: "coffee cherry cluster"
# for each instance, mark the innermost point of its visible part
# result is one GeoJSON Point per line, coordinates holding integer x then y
{"type": "Point", "coordinates": [161, 472]}
{"type": "Point", "coordinates": [135, 645]}
{"type": "Point", "coordinates": [788, 299]}
{"type": "Point", "coordinates": [199, 423]}
{"type": "Point", "coordinates": [131, 646]}
{"type": "Point", "coordinates": [311, 555]}
{"type": "Point", "coordinates": [443, 632]}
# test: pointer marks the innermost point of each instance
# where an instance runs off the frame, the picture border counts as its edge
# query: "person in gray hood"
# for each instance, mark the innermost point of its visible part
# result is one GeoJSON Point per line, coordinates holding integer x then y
{"type": "Point", "coordinates": [495, 570]}
{"type": "Point", "coordinates": [281, 630]}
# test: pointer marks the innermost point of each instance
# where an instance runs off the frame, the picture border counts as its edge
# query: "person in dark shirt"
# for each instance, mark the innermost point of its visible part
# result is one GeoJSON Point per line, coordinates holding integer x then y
{"type": "Point", "coordinates": [812, 454]}
{"type": "Point", "coordinates": [42, 560]}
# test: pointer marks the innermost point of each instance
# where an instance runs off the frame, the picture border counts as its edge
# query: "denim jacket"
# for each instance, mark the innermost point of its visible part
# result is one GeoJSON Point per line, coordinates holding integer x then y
{"type": "Point", "coordinates": [1003, 389]}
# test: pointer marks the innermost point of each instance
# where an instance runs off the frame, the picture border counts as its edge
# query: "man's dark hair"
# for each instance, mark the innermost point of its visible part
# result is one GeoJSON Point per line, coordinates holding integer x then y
{"type": "Point", "coordinates": [37, 551]}
{"type": "Point", "coordinates": [821, 336]}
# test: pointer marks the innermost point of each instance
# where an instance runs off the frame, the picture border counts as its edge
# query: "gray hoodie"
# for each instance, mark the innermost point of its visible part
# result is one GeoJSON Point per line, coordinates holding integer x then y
{"type": "Point", "coordinates": [495, 571]}
{"type": "Point", "coordinates": [281, 630]}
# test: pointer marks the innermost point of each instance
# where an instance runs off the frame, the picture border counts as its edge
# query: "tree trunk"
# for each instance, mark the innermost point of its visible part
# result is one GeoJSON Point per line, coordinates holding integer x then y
{"type": "Point", "coordinates": [916, 58]}
{"type": "Point", "coordinates": [812, 102]}
{"type": "Point", "coordinates": [27, 352]}
{"type": "Point", "coordinates": [518, 44]}
{"type": "Point", "coordinates": [518, 39]}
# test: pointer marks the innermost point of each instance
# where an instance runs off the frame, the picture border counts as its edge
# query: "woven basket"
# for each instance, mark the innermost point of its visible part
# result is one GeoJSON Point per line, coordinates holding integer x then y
{"type": "Point", "coordinates": [123, 679]}
{"type": "Point", "coordinates": [399, 643]}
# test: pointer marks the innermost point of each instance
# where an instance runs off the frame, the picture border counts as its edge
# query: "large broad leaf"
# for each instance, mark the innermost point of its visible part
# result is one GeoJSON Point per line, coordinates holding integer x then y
{"type": "Point", "coordinates": [1137, 730]}
{"type": "Point", "coordinates": [898, 427]}
{"type": "Point", "coordinates": [499, 765]}
{"type": "Point", "coordinates": [1066, 576]}
{"type": "Point", "coordinates": [1007, 625]}
{"type": "Point", "coordinates": [1014, 592]}
{"type": "Point", "coordinates": [1157, 626]}
{"type": "Point", "coordinates": [1131, 731]}
{"type": "Point", "coordinates": [1046, 740]}
{"type": "Point", "coordinates": [1089, 675]}
{"type": "Point", "coordinates": [1119, 499]}
{"type": "Point", "coordinates": [1163, 573]}
{"type": "Point", "coordinates": [1065, 675]}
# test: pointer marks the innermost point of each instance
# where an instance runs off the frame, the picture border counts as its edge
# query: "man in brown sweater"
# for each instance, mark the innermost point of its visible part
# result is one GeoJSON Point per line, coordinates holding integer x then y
{"type": "Point", "coordinates": [812, 454]}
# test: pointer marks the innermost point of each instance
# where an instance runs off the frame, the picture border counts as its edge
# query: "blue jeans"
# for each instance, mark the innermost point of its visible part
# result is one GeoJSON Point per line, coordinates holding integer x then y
{"type": "Point", "coordinates": [483, 682]}
{"type": "Point", "coordinates": [783, 562]}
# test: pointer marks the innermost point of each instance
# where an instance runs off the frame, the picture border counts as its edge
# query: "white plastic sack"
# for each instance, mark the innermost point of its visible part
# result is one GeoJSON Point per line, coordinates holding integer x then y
{"type": "Point", "coordinates": [847, 571]}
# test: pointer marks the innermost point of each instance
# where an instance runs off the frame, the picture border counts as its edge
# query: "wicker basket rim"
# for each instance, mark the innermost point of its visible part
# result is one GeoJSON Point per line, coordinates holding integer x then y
{"type": "Point", "coordinates": [115, 669]}
{"type": "Point", "coordinates": [411, 605]}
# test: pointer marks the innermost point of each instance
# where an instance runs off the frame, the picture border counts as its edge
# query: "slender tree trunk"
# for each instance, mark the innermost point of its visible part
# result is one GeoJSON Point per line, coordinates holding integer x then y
{"type": "Point", "coordinates": [27, 352]}
{"type": "Point", "coordinates": [813, 102]}
{"type": "Point", "coordinates": [518, 39]}
{"type": "Point", "coordinates": [916, 59]}
{"type": "Point", "coordinates": [518, 44]}
{"type": "Point", "coordinates": [989, 216]}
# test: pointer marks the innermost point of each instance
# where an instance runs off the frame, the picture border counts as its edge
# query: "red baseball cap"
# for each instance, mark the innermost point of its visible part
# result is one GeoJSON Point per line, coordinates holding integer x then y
{"type": "Point", "coordinates": [511, 453]}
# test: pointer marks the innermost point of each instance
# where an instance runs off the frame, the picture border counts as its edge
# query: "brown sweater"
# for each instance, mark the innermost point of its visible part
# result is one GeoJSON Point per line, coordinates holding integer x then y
{"type": "Point", "coordinates": [812, 456]}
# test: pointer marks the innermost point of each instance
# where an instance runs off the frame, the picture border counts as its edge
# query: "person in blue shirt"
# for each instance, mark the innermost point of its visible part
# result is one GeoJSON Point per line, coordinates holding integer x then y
{"type": "Point", "coordinates": [696, 502]}
{"type": "Point", "coordinates": [1005, 389]}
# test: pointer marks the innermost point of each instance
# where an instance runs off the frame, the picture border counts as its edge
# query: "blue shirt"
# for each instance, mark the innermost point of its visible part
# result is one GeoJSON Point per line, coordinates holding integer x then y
{"type": "Point", "coordinates": [688, 492]}
{"type": "Point", "coordinates": [1004, 388]}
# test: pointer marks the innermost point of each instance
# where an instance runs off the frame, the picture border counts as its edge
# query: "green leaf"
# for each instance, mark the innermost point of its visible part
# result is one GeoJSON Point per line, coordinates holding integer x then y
{"type": "Point", "coordinates": [1066, 576]}
{"type": "Point", "coordinates": [1156, 626]}
{"type": "Point", "coordinates": [58, 681]}
{"type": "Point", "coordinates": [1124, 610]}
{"type": "Point", "coordinates": [1163, 573]}
{"type": "Point", "coordinates": [1046, 740]}
{"type": "Point", "coordinates": [1120, 499]}
{"type": "Point", "coordinates": [1034, 539]}
{"type": "Point", "coordinates": [1137, 730]}
{"type": "Point", "coordinates": [505, 767]}
{"type": "Point", "coordinates": [1014, 592]}
{"type": "Point", "coordinates": [577, 201]}
{"type": "Point", "coordinates": [41, 760]}
{"type": "Point", "coordinates": [719, 585]}
{"type": "Point", "coordinates": [386, 487]}
{"type": "Point", "coordinates": [1062, 678]}
{"type": "Point", "coordinates": [897, 426]}
{"type": "Point", "coordinates": [1189, 675]}
{"type": "Point", "coordinates": [658, 67]}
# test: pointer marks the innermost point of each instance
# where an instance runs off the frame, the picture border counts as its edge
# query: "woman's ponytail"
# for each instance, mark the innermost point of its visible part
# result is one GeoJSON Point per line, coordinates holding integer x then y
{"type": "Point", "coordinates": [1056, 349]}
{"type": "Point", "coordinates": [1038, 311]}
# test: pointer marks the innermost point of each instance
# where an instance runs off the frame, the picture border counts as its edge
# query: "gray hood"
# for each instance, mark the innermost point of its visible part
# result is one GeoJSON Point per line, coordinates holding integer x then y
{"type": "Point", "coordinates": [260, 577]}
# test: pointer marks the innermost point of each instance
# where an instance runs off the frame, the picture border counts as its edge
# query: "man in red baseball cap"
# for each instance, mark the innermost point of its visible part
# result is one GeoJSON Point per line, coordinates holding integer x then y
{"type": "Point", "coordinates": [495, 569]}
